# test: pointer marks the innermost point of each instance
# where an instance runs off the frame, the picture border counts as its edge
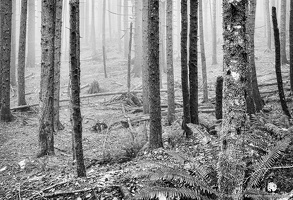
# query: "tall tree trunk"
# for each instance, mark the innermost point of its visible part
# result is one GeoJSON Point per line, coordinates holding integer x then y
{"type": "Point", "coordinates": [5, 114]}
{"type": "Point", "coordinates": [170, 71]}
{"type": "Point", "coordinates": [13, 46]}
{"type": "Point", "coordinates": [137, 38]}
{"type": "Point", "coordinates": [193, 71]}
{"type": "Point", "coordinates": [87, 19]}
{"type": "Point", "coordinates": [109, 20]}
{"type": "Point", "coordinates": [57, 64]}
{"type": "Point", "coordinates": [231, 164]}
{"type": "Point", "coordinates": [178, 29]}
{"type": "Point", "coordinates": [46, 120]}
{"type": "Point", "coordinates": [119, 25]}
{"type": "Point", "coordinates": [268, 22]}
{"type": "Point", "coordinates": [1, 54]}
{"type": "Point", "coordinates": [129, 60]}
{"type": "Point", "coordinates": [278, 64]}
{"type": "Point", "coordinates": [283, 32]}
{"type": "Point", "coordinates": [291, 45]}
{"type": "Point", "coordinates": [214, 55]}
{"type": "Point", "coordinates": [203, 55]}
{"type": "Point", "coordinates": [155, 139]}
{"type": "Point", "coordinates": [31, 57]}
{"type": "Point", "coordinates": [104, 39]}
{"type": "Point", "coordinates": [145, 67]}
{"type": "Point", "coordinates": [93, 33]}
{"type": "Point", "coordinates": [184, 68]}
{"type": "Point", "coordinates": [21, 54]}
{"type": "Point", "coordinates": [219, 97]}
{"type": "Point", "coordinates": [257, 100]}
{"type": "Point", "coordinates": [125, 26]}
{"type": "Point", "coordinates": [75, 86]}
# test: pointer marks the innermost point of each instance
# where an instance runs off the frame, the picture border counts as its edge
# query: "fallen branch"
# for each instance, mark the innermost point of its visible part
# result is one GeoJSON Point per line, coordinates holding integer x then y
{"type": "Point", "coordinates": [29, 75]}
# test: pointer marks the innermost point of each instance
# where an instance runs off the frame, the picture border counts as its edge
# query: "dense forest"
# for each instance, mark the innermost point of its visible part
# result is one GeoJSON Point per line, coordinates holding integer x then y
{"type": "Point", "coordinates": [146, 99]}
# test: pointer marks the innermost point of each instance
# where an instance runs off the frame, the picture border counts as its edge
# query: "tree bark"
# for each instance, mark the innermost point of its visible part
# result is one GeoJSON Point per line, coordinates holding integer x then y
{"type": "Point", "coordinates": [5, 114]}
{"type": "Point", "coordinates": [145, 81]}
{"type": "Point", "coordinates": [46, 120]}
{"type": "Point", "coordinates": [203, 55]}
{"type": "Point", "coordinates": [219, 97]}
{"type": "Point", "coordinates": [214, 37]}
{"type": "Point", "coordinates": [193, 71]}
{"type": "Point", "coordinates": [57, 63]}
{"type": "Point", "coordinates": [268, 22]}
{"type": "Point", "coordinates": [278, 64]}
{"type": "Point", "coordinates": [104, 39]}
{"type": "Point", "coordinates": [75, 86]}
{"type": "Point", "coordinates": [283, 32]}
{"type": "Point", "coordinates": [170, 71]}
{"type": "Point", "coordinates": [21, 55]}
{"type": "Point", "coordinates": [31, 47]}
{"type": "Point", "coordinates": [13, 46]}
{"type": "Point", "coordinates": [155, 139]}
{"type": "Point", "coordinates": [231, 163]}
{"type": "Point", "coordinates": [291, 45]}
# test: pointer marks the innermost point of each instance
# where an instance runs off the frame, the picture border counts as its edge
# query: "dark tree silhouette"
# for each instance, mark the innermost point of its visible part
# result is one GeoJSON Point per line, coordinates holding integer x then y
{"type": "Point", "coordinates": [291, 45]}
{"type": "Point", "coordinates": [219, 97]}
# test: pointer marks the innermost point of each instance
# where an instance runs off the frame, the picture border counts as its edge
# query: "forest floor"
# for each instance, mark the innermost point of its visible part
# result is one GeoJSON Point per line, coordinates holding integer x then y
{"type": "Point", "coordinates": [107, 152]}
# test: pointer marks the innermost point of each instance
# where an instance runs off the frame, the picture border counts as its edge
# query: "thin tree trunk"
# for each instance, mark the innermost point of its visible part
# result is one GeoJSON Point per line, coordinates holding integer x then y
{"type": "Point", "coordinates": [278, 63]}
{"type": "Point", "coordinates": [170, 71]}
{"type": "Point", "coordinates": [129, 61]}
{"type": "Point", "coordinates": [219, 97]}
{"type": "Point", "coordinates": [145, 81]}
{"type": "Point", "coordinates": [291, 45]}
{"type": "Point", "coordinates": [193, 70]}
{"type": "Point", "coordinates": [46, 120]}
{"type": "Point", "coordinates": [104, 39]}
{"type": "Point", "coordinates": [13, 46]}
{"type": "Point", "coordinates": [21, 55]}
{"type": "Point", "coordinates": [119, 25]}
{"type": "Point", "coordinates": [75, 86]}
{"type": "Point", "coordinates": [214, 55]}
{"type": "Point", "coordinates": [283, 32]}
{"type": "Point", "coordinates": [155, 138]}
{"type": "Point", "coordinates": [31, 57]}
{"type": "Point", "coordinates": [109, 20]}
{"type": "Point", "coordinates": [268, 22]}
{"type": "Point", "coordinates": [87, 19]}
{"type": "Point", "coordinates": [93, 34]}
{"type": "Point", "coordinates": [126, 33]}
{"type": "Point", "coordinates": [57, 64]}
{"type": "Point", "coordinates": [137, 39]}
{"type": "Point", "coordinates": [203, 55]}
{"type": "Point", "coordinates": [184, 68]}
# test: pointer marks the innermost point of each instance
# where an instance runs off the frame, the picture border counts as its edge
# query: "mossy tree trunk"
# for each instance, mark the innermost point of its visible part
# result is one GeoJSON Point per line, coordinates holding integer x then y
{"type": "Point", "coordinates": [291, 45]}
{"type": "Point", "coordinates": [57, 64]}
{"type": "Point", "coordinates": [145, 81]}
{"type": "Point", "coordinates": [46, 120]}
{"type": "Point", "coordinates": [230, 163]}
{"type": "Point", "coordinates": [283, 32]}
{"type": "Point", "coordinates": [202, 53]}
{"type": "Point", "coordinates": [31, 47]}
{"type": "Point", "coordinates": [170, 71]}
{"type": "Point", "coordinates": [184, 68]}
{"type": "Point", "coordinates": [5, 114]}
{"type": "Point", "coordinates": [193, 70]}
{"type": "Point", "coordinates": [155, 139]}
{"type": "Point", "coordinates": [21, 55]}
{"type": "Point", "coordinates": [278, 63]}
{"type": "Point", "coordinates": [75, 86]}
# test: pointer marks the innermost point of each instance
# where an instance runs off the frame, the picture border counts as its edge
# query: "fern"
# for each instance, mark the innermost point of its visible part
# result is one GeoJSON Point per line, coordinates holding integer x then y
{"type": "Point", "coordinates": [267, 162]}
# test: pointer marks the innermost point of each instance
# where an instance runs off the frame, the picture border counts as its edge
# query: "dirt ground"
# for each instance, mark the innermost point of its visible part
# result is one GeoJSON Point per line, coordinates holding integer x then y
{"type": "Point", "coordinates": [19, 139]}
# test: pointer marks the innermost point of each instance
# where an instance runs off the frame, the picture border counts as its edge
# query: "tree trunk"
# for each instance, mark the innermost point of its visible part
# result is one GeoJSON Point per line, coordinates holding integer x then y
{"type": "Point", "coordinates": [5, 114]}
{"type": "Point", "coordinates": [119, 25]}
{"type": "Point", "coordinates": [109, 20]}
{"type": "Point", "coordinates": [214, 55]}
{"type": "Point", "coordinates": [291, 45]}
{"type": "Point", "coordinates": [203, 55]}
{"type": "Point", "coordinates": [13, 46]}
{"type": "Point", "coordinates": [219, 97]}
{"type": "Point", "coordinates": [145, 67]}
{"type": "Point", "coordinates": [278, 64]}
{"type": "Point", "coordinates": [230, 163]}
{"type": "Point", "coordinates": [178, 28]}
{"type": "Point", "coordinates": [1, 54]}
{"type": "Point", "coordinates": [46, 120]}
{"type": "Point", "coordinates": [170, 71]}
{"type": "Point", "coordinates": [155, 139]}
{"type": "Point", "coordinates": [283, 32]}
{"type": "Point", "coordinates": [268, 22]}
{"type": "Point", "coordinates": [104, 39]}
{"type": "Point", "coordinates": [137, 39]}
{"type": "Point", "coordinates": [193, 71]}
{"type": "Point", "coordinates": [126, 33]}
{"type": "Point", "coordinates": [184, 68]}
{"type": "Point", "coordinates": [21, 55]}
{"type": "Point", "coordinates": [75, 86]}
{"type": "Point", "coordinates": [87, 19]}
{"type": "Point", "coordinates": [256, 98]}
{"type": "Point", "coordinates": [31, 57]}
{"type": "Point", "coordinates": [129, 61]}
{"type": "Point", "coordinates": [57, 64]}
{"type": "Point", "coordinates": [93, 34]}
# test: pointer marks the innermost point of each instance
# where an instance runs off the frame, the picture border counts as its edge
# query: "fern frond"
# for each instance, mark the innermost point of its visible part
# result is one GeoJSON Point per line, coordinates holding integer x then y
{"type": "Point", "coordinates": [267, 162]}
{"type": "Point", "coordinates": [156, 192]}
